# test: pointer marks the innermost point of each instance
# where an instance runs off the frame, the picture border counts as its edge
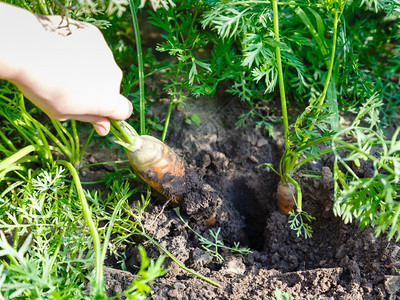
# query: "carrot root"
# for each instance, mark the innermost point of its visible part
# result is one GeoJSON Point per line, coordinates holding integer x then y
{"type": "Point", "coordinates": [157, 164]}
{"type": "Point", "coordinates": [286, 197]}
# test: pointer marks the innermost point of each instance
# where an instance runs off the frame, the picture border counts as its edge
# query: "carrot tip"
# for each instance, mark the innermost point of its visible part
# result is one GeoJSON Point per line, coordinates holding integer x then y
{"type": "Point", "coordinates": [211, 221]}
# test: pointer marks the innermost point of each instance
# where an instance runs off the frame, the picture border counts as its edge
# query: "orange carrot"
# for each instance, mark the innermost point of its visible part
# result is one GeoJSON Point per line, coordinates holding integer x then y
{"type": "Point", "coordinates": [156, 163]}
{"type": "Point", "coordinates": [286, 197]}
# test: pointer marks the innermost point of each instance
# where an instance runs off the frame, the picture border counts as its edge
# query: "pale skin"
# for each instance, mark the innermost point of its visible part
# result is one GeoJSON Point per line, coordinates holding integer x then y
{"type": "Point", "coordinates": [65, 68]}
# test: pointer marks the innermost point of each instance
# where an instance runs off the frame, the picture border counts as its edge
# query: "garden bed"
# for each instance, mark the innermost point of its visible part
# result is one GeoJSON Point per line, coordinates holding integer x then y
{"type": "Point", "coordinates": [333, 67]}
{"type": "Point", "coordinates": [340, 261]}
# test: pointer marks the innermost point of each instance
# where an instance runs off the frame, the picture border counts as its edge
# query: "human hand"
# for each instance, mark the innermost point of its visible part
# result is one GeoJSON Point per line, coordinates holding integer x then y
{"type": "Point", "coordinates": [68, 71]}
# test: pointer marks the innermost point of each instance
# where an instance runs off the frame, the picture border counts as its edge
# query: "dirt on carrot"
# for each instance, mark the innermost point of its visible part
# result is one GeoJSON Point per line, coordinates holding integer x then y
{"type": "Point", "coordinates": [203, 203]}
{"type": "Point", "coordinates": [158, 165]}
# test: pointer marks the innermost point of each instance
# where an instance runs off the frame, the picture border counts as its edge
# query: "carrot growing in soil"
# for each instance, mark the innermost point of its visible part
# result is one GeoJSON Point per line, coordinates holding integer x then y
{"type": "Point", "coordinates": [286, 195]}
{"type": "Point", "coordinates": [305, 136]}
{"type": "Point", "coordinates": [156, 163]}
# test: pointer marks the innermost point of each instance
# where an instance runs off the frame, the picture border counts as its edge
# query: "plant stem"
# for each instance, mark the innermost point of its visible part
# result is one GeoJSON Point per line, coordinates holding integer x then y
{"type": "Point", "coordinates": [57, 250]}
{"type": "Point", "coordinates": [331, 61]}
{"type": "Point", "coordinates": [99, 276]}
{"type": "Point", "coordinates": [369, 156]}
{"type": "Point", "coordinates": [75, 141]}
{"type": "Point", "coordinates": [111, 162]}
{"type": "Point", "coordinates": [7, 141]}
{"type": "Point", "coordinates": [111, 224]}
{"type": "Point", "coordinates": [185, 43]}
{"type": "Point", "coordinates": [280, 76]}
{"type": "Point", "coordinates": [43, 7]}
{"type": "Point", "coordinates": [298, 192]}
{"type": "Point", "coordinates": [171, 102]}
{"type": "Point", "coordinates": [167, 118]}
{"type": "Point", "coordinates": [123, 131]}
{"type": "Point", "coordinates": [291, 162]}
{"type": "Point", "coordinates": [253, 2]}
{"type": "Point", "coordinates": [140, 66]}
{"type": "Point", "coordinates": [315, 156]}
{"type": "Point", "coordinates": [62, 133]}
{"type": "Point", "coordinates": [313, 142]}
{"type": "Point", "coordinates": [6, 163]}
{"type": "Point", "coordinates": [88, 139]}
{"type": "Point", "coordinates": [304, 18]}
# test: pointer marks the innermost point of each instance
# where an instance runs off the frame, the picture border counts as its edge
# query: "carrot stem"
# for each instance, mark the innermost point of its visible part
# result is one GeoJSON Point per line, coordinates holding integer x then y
{"type": "Point", "coordinates": [126, 135]}
{"type": "Point", "coordinates": [285, 118]}
{"type": "Point", "coordinates": [124, 132]}
{"type": "Point", "coordinates": [298, 191]}
{"type": "Point", "coordinates": [280, 74]}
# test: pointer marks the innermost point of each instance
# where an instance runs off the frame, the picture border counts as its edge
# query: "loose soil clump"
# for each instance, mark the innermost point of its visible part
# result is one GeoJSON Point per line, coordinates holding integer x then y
{"type": "Point", "coordinates": [225, 189]}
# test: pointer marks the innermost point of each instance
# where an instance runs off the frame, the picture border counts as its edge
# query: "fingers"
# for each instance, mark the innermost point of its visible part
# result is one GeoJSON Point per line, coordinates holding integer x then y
{"type": "Point", "coordinates": [119, 108]}
{"type": "Point", "coordinates": [102, 127]}
{"type": "Point", "coordinates": [90, 108]}
{"type": "Point", "coordinates": [99, 113]}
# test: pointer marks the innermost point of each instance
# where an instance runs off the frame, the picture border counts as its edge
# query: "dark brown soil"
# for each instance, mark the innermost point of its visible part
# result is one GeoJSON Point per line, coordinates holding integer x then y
{"type": "Point", "coordinates": [340, 261]}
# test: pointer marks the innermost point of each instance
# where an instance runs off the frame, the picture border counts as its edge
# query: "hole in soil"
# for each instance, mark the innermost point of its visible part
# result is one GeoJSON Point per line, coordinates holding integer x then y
{"type": "Point", "coordinates": [246, 203]}
{"type": "Point", "coordinates": [345, 277]}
